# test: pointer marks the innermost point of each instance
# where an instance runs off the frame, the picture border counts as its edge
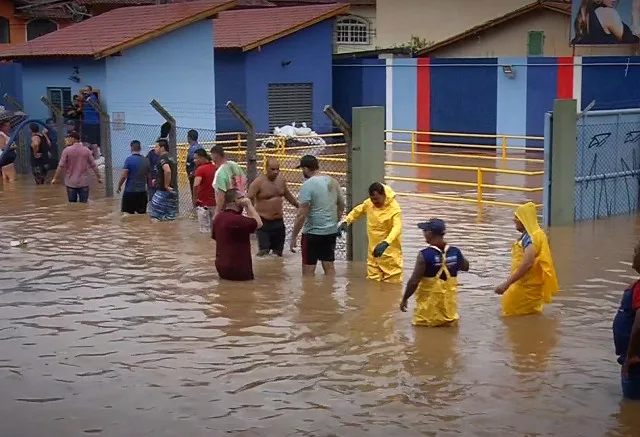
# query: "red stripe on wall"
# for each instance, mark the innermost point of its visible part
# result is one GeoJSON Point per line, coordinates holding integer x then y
{"type": "Point", "coordinates": [565, 78]}
{"type": "Point", "coordinates": [424, 100]}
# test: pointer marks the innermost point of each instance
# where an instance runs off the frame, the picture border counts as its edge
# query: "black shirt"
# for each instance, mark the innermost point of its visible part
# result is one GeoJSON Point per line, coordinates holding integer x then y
{"type": "Point", "coordinates": [166, 159]}
{"type": "Point", "coordinates": [43, 150]}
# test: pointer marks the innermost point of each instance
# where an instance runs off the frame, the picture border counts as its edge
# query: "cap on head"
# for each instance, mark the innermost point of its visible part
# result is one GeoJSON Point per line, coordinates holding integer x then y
{"type": "Point", "coordinates": [436, 226]}
{"type": "Point", "coordinates": [310, 162]}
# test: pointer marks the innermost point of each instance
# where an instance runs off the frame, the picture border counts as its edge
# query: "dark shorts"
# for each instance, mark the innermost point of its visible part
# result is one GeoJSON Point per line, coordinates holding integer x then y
{"type": "Point", "coordinates": [134, 203]}
{"type": "Point", "coordinates": [39, 170]}
{"type": "Point", "coordinates": [78, 194]}
{"type": "Point", "coordinates": [271, 236]}
{"type": "Point", "coordinates": [91, 133]}
{"type": "Point", "coordinates": [8, 157]}
{"type": "Point", "coordinates": [318, 248]}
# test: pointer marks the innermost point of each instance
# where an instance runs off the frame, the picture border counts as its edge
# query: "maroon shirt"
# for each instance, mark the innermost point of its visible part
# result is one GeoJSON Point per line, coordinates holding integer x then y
{"type": "Point", "coordinates": [77, 160]}
{"type": "Point", "coordinates": [231, 230]}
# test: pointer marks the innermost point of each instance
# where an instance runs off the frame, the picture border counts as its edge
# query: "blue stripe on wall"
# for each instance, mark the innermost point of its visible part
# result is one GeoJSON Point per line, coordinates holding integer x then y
{"type": "Point", "coordinates": [374, 76]}
{"type": "Point", "coordinates": [347, 86]}
{"type": "Point", "coordinates": [542, 85]}
{"type": "Point", "coordinates": [511, 117]}
{"type": "Point", "coordinates": [463, 98]}
{"type": "Point", "coordinates": [405, 99]}
{"type": "Point", "coordinates": [611, 86]}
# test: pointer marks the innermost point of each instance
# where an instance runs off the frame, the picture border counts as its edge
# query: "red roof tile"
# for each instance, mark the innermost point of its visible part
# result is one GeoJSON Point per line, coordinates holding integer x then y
{"type": "Point", "coordinates": [117, 30]}
{"type": "Point", "coordinates": [250, 28]}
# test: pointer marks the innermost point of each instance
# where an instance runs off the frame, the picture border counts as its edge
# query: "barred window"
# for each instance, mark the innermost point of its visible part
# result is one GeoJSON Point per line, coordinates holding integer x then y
{"type": "Point", "coordinates": [352, 30]}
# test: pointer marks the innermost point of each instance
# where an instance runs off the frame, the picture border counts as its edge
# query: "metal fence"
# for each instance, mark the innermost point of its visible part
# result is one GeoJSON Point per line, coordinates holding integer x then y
{"type": "Point", "coordinates": [607, 165]}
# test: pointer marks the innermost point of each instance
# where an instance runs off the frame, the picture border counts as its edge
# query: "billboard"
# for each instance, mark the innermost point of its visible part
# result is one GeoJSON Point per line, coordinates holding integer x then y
{"type": "Point", "coordinates": [603, 22]}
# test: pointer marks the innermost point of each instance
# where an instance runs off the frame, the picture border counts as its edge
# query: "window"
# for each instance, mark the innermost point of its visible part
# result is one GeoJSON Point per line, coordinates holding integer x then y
{"type": "Point", "coordinates": [352, 30]}
{"type": "Point", "coordinates": [290, 102]}
{"type": "Point", "coordinates": [535, 43]}
{"type": "Point", "coordinates": [59, 97]}
{"type": "Point", "coordinates": [39, 27]}
{"type": "Point", "coordinates": [4, 31]}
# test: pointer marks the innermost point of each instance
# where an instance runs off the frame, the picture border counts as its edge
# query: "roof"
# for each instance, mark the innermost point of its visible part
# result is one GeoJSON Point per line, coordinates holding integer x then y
{"type": "Point", "coordinates": [319, 2]}
{"type": "Point", "coordinates": [251, 28]}
{"type": "Point", "coordinates": [555, 6]}
{"type": "Point", "coordinates": [117, 30]}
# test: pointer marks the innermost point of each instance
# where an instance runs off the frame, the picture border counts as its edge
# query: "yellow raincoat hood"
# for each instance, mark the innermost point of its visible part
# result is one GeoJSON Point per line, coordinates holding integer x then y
{"type": "Point", "coordinates": [540, 283]}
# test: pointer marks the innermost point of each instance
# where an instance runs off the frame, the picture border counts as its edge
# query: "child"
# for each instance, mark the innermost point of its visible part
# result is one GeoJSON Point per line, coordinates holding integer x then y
{"type": "Point", "coordinates": [626, 335]}
{"type": "Point", "coordinates": [435, 278]}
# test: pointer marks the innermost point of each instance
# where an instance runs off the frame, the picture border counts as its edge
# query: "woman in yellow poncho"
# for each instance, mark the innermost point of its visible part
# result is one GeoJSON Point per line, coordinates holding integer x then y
{"type": "Point", "coordinates": [384, 231]}
{"type": "Point", "coordinates": [533, 280]}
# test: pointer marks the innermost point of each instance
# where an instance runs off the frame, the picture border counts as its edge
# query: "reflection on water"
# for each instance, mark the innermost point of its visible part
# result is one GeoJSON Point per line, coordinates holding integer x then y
{"type": "Point", "coordinates": [119, 327]}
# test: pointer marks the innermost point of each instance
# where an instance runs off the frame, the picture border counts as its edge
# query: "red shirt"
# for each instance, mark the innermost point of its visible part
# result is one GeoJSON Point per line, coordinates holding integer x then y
{"type": "Point", "coordinates": [231, 230]}
{"type": "Point", "coordinates": [206, 195]}
{"type": "Point", "coordinates": [636, 296]}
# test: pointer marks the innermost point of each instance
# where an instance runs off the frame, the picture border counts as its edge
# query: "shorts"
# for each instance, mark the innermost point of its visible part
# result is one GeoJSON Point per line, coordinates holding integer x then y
{"type": "Point", "coordinates": [134, 202]}
{"type": "Point", "coordinates": [78, 194]}
{"type": "Point", "coordinates": [318, 248]}
{"type": "Point", "coordinates": [8, 157]}
{"type": "Point", "coordinates": [631, 383]}
{"type": "Point", "coordinates": [164, 206]}
{"type": "Point", "coordinates": [204, 219]}
{"type": "Point", "coordinates": [39, 171]}
{"type": "Point", "coordinates": [271, 236]}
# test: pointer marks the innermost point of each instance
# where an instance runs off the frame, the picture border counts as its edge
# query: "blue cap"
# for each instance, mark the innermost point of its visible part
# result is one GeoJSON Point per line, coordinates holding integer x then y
{"type": "Point", "coordinates": [434, 225]}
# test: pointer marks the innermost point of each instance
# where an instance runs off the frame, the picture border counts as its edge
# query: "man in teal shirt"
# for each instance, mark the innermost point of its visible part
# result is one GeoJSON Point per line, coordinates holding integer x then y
{"type": "Point", "coordinates": [321, 207]}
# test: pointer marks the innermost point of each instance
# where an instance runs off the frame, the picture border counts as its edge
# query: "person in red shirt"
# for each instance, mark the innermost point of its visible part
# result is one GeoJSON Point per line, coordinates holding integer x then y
{"type": "Point", "coordinates": [232, 231]}
{"type": "Point", "coordinates": [204, 198]}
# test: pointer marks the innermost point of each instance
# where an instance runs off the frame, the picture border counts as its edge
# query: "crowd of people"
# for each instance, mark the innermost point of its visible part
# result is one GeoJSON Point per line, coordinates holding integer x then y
{"type": "Point", "coordinates": [231, 212]}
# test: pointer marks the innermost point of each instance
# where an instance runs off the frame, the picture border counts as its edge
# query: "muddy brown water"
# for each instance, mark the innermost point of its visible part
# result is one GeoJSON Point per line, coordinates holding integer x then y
{"type": "Point", "coordinates": [119, 327]}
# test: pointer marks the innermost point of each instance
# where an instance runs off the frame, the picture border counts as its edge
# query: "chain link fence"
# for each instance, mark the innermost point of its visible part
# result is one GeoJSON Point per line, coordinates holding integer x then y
{"type": "Point", "coordinates": [607, 167]}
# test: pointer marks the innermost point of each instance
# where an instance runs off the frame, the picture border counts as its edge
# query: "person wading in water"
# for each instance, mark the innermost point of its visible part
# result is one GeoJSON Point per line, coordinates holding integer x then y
{"type": "Point", "coordinates": [39, 154]}
{"type": "Point", "coordinates": [267, 193]}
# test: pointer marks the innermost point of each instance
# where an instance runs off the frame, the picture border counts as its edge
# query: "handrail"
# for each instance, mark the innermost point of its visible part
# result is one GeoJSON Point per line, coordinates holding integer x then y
{"type": "Point", "coordinates": [466, 168]}
{"type": "Point", "coordinates": [466, 135]}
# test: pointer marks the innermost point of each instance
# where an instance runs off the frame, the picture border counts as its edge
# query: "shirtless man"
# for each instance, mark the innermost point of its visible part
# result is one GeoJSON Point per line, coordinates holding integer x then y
{"type": "Point", "coordinates": [267, 192]}
{"type": "Point", "coordinates": [7, 153]}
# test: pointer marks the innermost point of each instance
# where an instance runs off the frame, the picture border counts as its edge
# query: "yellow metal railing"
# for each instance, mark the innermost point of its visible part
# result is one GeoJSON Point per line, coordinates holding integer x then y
{"type": "Point", "coordinates": [479, 184]}
{"type": "Point", "coordinates": [280, 142]}
{"type": "Point", "coordinates": [503, 147]}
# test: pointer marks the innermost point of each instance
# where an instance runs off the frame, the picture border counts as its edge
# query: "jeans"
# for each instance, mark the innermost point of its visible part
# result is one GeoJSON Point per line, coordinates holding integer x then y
{"type": "Point", "coordinates": [78, 194]}
{"type": "Point", "coordinates": [631, 384]}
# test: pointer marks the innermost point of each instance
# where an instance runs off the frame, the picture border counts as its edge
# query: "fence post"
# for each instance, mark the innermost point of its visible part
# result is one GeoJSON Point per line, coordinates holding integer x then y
{"type": "Point", "coordinates": [344, 127]}
{"type": "Point", "coordinates": [252, 146]}
{"type": "Point", "coordinates": [562, 167]}
{"type": "Point", "coordinates": [105, 145]}
{"type": "Point", "coordinates": [22, 161]}
{"type": "Point", "coordinates": [58, 117]}
{"type": "Point", "coordinates": [173, 137]}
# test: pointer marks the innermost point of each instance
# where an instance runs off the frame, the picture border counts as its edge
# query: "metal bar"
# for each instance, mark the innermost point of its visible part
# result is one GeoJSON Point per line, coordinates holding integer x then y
{"type": "Point", "coordinates": [605, 176]}
{"type": "Point", "coordinates": [461, 199]}
{"type": "Point", "coordinates": [466, 135]}
{"type": "Point", "coordinates": [462, 155]}
{"type": "Point", "coordinates": [465, 168]}
{"type": "Point", "coordinates": [464, 184]}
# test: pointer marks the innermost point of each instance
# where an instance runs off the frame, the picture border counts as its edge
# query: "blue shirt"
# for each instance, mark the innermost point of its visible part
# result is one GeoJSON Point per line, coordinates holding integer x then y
{"type": "Point", "coordinates": [433, 261]}
{"type": "Point", "coordinates": [322, 193]}
{"type": "Point", "coordinates": [90, 115]}
{"type": "Point", "coordinates": [138, 167]}
{"type": "Point", "coordinates": [191, 166]}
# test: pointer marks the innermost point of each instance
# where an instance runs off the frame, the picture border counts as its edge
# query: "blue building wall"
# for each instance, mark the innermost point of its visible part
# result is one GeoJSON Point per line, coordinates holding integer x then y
{"type": "Point", "coordinates": [177, 69]}
{"type": "Point", "coordinates": [542, 79]}
{"type": "Point", "coordinates": [358, 82]}
{"type": "Point", "coordinates": [11, 83]}
{"type": "Point", "coordinates": [310, 51]}
{"type": "Point", "coordinates": [511, 117]}
{"type": "Point", "coordinates": [612, 81]}
{"type": "Point", "coordinates": [40, 74]}
{"type": "Point", "coordinates": [231, 85]}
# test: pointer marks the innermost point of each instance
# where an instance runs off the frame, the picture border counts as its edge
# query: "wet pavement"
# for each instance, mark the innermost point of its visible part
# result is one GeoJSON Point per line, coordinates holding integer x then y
{"type": "Point", "coordinates": [119, 327]}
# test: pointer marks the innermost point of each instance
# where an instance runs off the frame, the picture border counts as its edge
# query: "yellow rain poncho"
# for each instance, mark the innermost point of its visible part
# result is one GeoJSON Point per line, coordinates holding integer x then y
{"type": "Point", "coordinates": [383, 224]}
{"type": "Point", "coordinates": [539, 284]}
{"type": "Point", "coordinates": [437, 297]}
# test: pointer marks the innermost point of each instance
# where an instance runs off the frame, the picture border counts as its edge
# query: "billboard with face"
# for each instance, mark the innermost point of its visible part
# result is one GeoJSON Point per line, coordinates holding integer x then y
{"type": "Point", "coordinates": [602, 22]}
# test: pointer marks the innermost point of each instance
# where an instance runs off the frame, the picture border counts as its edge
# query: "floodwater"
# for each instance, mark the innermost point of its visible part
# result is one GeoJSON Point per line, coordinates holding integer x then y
{"type": "Point", "coordinates": [119, 327]}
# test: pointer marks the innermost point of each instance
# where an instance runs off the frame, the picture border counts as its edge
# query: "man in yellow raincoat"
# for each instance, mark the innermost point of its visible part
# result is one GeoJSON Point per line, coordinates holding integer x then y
{"type": "Point", "coordinates": [435, 279]}
{"type": "Point", "coordinates": [533, 280]}
{"type": "Point", "coordinates": [384, 231]}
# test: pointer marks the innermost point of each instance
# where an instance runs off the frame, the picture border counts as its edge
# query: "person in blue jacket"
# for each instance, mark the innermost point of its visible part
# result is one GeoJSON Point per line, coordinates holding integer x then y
{"type": "Point", "coordinates": [626, 335]}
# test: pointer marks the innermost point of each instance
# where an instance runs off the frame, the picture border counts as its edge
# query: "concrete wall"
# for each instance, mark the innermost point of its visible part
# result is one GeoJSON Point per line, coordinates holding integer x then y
{"type": "Point", "coordinates": [473, 95]}
{"type": "Point", "coordinates": [310, 53]}
{"type": "Point", "coordinates": [510, 39]}
{"type": "Point", "coordinates": [434, 20]}
{"type": "Point", "coordinates": [230, 85]}
{"type": "Point", "coordinates": [38, 75]}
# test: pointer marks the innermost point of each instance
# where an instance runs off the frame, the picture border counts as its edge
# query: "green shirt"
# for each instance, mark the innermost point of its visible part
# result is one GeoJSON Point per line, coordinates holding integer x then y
{"type": "Point", "coordinates": [230, 176]}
